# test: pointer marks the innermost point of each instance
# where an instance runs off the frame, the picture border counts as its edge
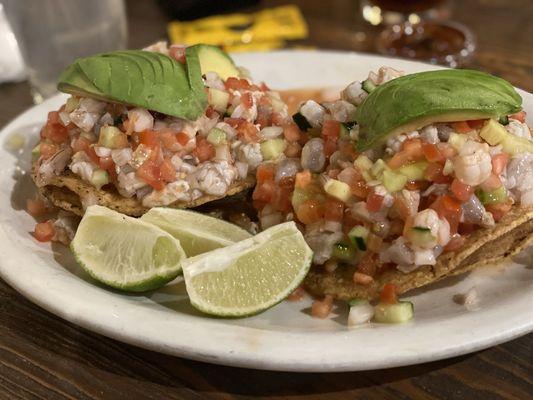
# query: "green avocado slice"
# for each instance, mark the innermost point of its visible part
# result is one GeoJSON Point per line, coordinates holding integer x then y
{"type": "Point", "coordinates": [413, 101]}
{"type": "Point", "coordinates": [213, 59]}
{"type": "Point", "coordinates": [139, 78]}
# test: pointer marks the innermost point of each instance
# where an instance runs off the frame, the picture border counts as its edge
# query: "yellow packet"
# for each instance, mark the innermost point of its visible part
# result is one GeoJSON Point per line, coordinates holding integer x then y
{"type": "Point", "coordinates": [268, 28]}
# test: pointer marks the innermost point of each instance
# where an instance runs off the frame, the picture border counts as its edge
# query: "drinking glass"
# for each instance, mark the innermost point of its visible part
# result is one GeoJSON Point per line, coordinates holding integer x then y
{"type": "Point", "coordinates": [53, 33]}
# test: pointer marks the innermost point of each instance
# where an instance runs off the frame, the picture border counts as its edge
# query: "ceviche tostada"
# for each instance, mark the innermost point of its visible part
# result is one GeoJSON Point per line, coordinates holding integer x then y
{"type": "Point", "coordinates": [400, 182]}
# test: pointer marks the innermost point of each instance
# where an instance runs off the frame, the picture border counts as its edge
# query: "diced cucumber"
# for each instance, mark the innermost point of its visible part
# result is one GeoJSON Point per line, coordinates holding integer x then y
{"type": "Point", "coordinates": [504, 120]}
{"type": "Point", "coordinates": [99, 178]}
{"type": "Point", "coordinates": [273, 148]}
{"type": "Point", "coordinates": [218, 99]}
{"type": "Point", "coordinates": [363, 163]}
{"type": "Point", "coordinates": [301, 121]}
{"type": "Point", "coordinates": [495, 134]}
{"type": "Point", "coordinates": [216, 136]}
{"type": "Point", "coordinates": [397, 313]}
{"type": "Point", "coordinates": [299, 196]}
{"type": "Point", "coordinates": [393, 181]}
{"type": "Point", "coordinates": [71, 104]}
{"type": "Point", "coordinates": [338, 189]}
{"type": "Point", "coordinates": [457, 140]}
{"type": "Point", "coordinates": [36, 152]}
{"type": "Point", "coordinates": [356, 302]}
{"type": "Point", "coordinates": [378, 168]}
{"type": "Point", "coordinates": [421, 237]}
{"type": "Point", "coordinates": [490, 197]}
{"type": "Point", "coordinates": [368, 86]}
{"type": "Point", "coordinates": [111, 137]}
{"type": "Point", "coordinates": [414, 171]}
{"type": "Point", "coordinates": [343, 251]}
{"type": "Point", "coordinates": [358, 235]}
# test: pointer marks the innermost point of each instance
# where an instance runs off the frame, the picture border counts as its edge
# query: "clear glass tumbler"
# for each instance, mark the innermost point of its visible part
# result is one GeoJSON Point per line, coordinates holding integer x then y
{"type": "Point", "coordinates": [53, 33]}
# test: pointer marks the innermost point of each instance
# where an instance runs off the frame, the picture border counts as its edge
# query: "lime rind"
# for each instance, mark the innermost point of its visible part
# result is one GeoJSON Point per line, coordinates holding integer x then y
{"type": "Point", "coordinates": [125, 253]}
{"type": "Point", "coordinates": [250, 276]}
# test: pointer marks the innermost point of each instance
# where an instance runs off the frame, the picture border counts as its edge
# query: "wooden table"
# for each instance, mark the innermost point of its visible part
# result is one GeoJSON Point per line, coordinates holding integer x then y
{"type": "Point", "coordinates": [44, 357]}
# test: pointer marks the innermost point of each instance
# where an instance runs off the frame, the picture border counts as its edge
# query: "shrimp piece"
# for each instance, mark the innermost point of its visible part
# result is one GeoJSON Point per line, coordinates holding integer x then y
{"type": "Point", "coordinates": [473, 165]}
{"type": "Point", "coordinates": [141, 119]}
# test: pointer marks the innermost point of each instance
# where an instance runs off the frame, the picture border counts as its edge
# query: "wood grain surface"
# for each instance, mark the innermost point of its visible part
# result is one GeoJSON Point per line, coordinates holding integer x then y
{"type": "Point", "coordinates": [44, 357]}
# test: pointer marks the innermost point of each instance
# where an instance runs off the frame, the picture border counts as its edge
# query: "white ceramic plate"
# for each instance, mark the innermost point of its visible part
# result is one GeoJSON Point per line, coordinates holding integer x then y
{"type": "Point", "coordinates": [285, 337]}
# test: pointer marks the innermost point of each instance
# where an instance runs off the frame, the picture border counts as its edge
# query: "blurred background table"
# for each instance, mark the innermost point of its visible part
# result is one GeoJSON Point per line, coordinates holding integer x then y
{"type": "Point", "coordinates": [44, 357]}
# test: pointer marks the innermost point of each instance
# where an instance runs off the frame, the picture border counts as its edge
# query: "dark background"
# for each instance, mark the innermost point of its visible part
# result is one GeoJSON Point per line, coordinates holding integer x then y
{"type": "Point", "coordinates": [43, 357]}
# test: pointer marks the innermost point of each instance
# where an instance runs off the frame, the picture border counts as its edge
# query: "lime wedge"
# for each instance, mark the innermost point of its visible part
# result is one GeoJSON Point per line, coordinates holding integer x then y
{"type": "Point", "coordinates": [124, 252]}
{"type": "Point", "coordinates": [196, 232]}
{"type": "Point", "coordinates": [249, 276]}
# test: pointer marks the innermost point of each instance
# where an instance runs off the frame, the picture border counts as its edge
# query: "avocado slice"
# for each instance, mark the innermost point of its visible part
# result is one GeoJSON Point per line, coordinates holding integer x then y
{"type": "Point", "coordinates": [413, 101]}
{"type": "Point", "coordinates": [139, 78]}
{"type": "Point", "coordinates": [213, 59]}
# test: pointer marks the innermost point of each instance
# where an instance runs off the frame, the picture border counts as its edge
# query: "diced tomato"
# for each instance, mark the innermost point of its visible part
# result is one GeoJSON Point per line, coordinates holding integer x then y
{"type": "Point", "coordinates": [368, 263]}
{"type": "Point", "coordinates": [388, 294]}
{"type": "Point", "coordinates": [374, 202]}
{"type": "Point", "coordinates": [264, 192]}
{"type": "Point", "coordinates": [456, 242]}
{"type": "Point", "coordinates": [499, 162]}
{"type": "Point", "coordinates": [36, 207]}
{"type": "Point", "coordinates": [293, 150]}
{"type": "Point", "coordinates": [177, 52]}
{"type": "Point", "coordinates": [447, 150]}
{"type": "Point", "coordinates": [211, 113]}
{"type": "Point", "coordinates": [310, 211]}
{"type": "Point", "coordinates": [168, 172]}
{"type": "Point", "coordinates": [476, 123]}
{"type": "Point", "coordinates": [47, 149]}
{"type": "Point", "coordinates": [347, 149]}
{"type": "Point", "coordinates": [245, 129]}
{"type": "Point", "coordinates": [263, 87]}
{"type": "Point", "coordinates": [182, 138]}
{"type": "Point", "coordinates": [237, 84]}
{"type": "Point", "coordinates": [434, 173]}
{"type": "Point", "coordinates": [498, 210]}
{"type": "Point", "coordinates": [491, 183]}
{"type": "Point", "coordinates": [149, 138]}
{"type": "Point", "coordinates": [278, 119]}
{"type": "Point", "coordinates": [283, 195]}
{"type": "Point", "coordinates": [80, 144]}
{"type": "Point", "coordinates": [413, 148]}
{"type": "Point", "coordinates": [461, 191]}
{"type": "Point", "coordinates": [169, 140]}
{"type": "Point", "coordinates": [330, 131]}
{"type": "Point", "coordinates": [449, 208]}
{"type": "Point", "coordinates": [417, 185]}
{"type": "Point", "coordinates": [247, 100]}
{"type": "Point", "coordinates": [466, 228]}
{"type": "Point", "coordinates": [204, 150]}
{"type": "Point", "coordinates": [53, 117]}
{"type": "Point", "coordinates": [334, 210]}
{"type": "Point", "coordinates": [150, 173]}
{"type": "Point", "coordinates": [303, 179]}
{"type": "Point", "coordinates": [461, 127]}
{"type": "Point", "coordinates": [432, 153]}
{"type": "Point", "coordinates": [106, 163]}
{"type": "Point", "coordinates": [401, 207]}
{"type": "Point", "coordinates": [291, 132]}
{"type": "Point", "coordinates": [264, 116]}
{"type": "Point", "coordinates": [57, 133]}
{"type": "Point", "coordinates": [44, 231]}
{"type": "Point", "coordinates": [322, 308]}
{"type": "Point", "coordinates": [399, 159]}
{"type": "Point", "coordinates": [265, 172]}
{"type": "Point", "coordinates": [519, 116]}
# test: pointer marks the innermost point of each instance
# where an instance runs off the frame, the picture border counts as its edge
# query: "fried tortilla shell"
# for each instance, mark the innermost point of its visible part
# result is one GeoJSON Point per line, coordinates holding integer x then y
{"type": "Point", "coordinates": [512, 234]}
{"type": "Point", "coordinates": [69, 192]}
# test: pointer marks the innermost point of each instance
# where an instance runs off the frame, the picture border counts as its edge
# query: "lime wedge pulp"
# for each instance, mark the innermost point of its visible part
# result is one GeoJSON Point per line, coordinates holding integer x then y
{"type": "Point", "coordinates": [124, 252]}
{"type": "Point", "coordinates": [197, 233]}
{"type": "Point", "coordinates": [249, 276]}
